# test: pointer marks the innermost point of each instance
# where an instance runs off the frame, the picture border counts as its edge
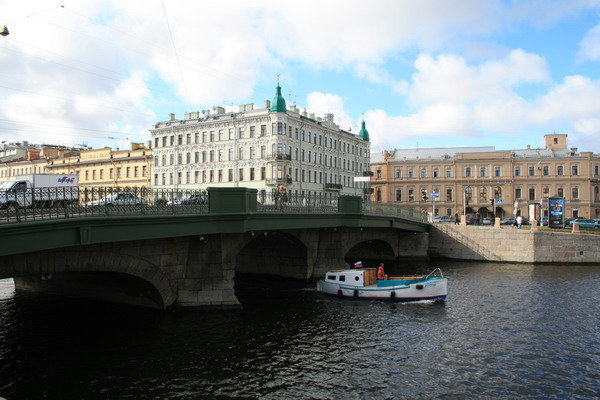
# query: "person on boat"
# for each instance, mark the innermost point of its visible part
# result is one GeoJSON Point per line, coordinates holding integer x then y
{"type": "Point", "coordinates": [380, 272]}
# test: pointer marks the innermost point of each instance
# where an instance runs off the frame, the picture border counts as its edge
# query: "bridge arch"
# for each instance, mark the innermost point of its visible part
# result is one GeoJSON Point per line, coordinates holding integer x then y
{"type": "Point", "coordinates": [370, 253]}
{"type": "Point", "coordinates": [137, 281]}
{"type": "Point", "coordinates": [273, 253]}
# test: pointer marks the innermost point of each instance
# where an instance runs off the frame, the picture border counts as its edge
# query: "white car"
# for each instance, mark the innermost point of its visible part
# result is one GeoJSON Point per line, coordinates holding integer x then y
{"type": "Point", "coordinates": [122, 198]}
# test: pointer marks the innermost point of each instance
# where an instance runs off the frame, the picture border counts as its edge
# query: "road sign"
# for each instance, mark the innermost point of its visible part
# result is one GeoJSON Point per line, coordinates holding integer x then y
{"type": "Point", "coordinates": [434, 194]}
{"type": "Point", "coordinates": [499, 202]}
{"type": "Point", "coordinates": [362, 179]}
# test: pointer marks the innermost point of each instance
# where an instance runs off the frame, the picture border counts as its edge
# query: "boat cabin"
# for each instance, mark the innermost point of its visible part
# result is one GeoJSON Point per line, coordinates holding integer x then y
{"type": "Point", "coordinates": [354, 277]}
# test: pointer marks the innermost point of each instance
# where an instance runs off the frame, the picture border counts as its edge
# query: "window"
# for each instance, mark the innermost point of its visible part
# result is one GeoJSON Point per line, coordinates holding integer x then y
{"type": "Point", "coordinates": [575, 193]}
{"type": "Point", "coordinates": [411, 194]}
{"type": "Point", "coordinates": [342, 278]}
{"type": "Point", "coordinates": [241, 174]}
{"type": "Point", "coordinates": [448, 194]}
{"type": "Point", "coordinates": [517, 170]}
{"type": "Point", "coordinates": [575, 212]}
{"type": "Point", "coordinates": [252, 129]}
{"type": "Point", "coordinates": [135, 172]}
{"type": "Point", "coordinates": [468, 172]}
{"type": "Point", "coordinates": [518, 194]}
{"type": "Point", "coordinates": [398, 194]}
{"type": "Point", "coordinates": [482, 171]}
{"type": "Point", "coordinates": [251, 174]}
{"type": "Point", "coordinates": [410, 173]}
{"type": "Point", "coordinates": [531, 170]}
{"type": "Point", "coordinates": [448, 172]}
{"type": "Point", "coordinates": [483, 195]}
{"type": "Point", "coordinates": [545, 170]}
{"type": "Point", "coordinates": [531, 194]}
{"type": "Point", "coordinates": [378, 171]}
{"type": "Point", "coordinates": [560, 191]}
{"type": "Point", "coordinates": [574, 169]}
{"type": "Point", "coordinates": [559, 170]}
{"type": "Point", "coordinates": [188, 157]}
{"type": "Point", "coordinates": [436, 172]}
{"type": "Point", "coordinates": [423, 172]}
{"type": "Point", "coordinates": [398, 173]}
{"type": "Point", "coordinates": [596, 192]}
{"type": "Point", "coordinates": [596, 170]}
{"type": "Point", "coordinates": [546, 191]}
{"type": "Point", "coordinates": [497, 171]}
{"type": "Point", "coordinates": [263, 130]}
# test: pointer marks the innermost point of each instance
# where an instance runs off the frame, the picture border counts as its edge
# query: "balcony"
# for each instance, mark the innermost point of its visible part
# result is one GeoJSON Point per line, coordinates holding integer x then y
{"type": "Point", "coordinates": [279, 181]}
{"type": "Point", "coordinates": [279, 157]}
{"type": "Point", "coordinates": [367, 173]}
{"type": "Point", "coordinates": [333, 186]}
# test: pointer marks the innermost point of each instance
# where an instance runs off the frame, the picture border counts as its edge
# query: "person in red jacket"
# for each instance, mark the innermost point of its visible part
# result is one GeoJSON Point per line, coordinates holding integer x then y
{"type": "Point", "coordinates": [380, 272]}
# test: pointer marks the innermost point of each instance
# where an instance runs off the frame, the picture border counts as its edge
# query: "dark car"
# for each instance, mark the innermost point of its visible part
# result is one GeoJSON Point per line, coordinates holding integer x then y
{"type": "Point", "coordinates": [507, 221]}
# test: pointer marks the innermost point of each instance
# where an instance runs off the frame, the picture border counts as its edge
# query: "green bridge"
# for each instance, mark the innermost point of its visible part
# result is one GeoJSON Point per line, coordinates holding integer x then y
{"type": "Point", "coordinates": [183, 256]}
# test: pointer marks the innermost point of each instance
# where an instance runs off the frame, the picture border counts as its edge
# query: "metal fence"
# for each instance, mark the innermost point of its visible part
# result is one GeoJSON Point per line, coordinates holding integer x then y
{"type": "Point", "coordinates": [276, 201]}
{"type": "Point", "coordinates": [394, 210]}
{"type": "Point", "coordinates": [52, 203]}
{"type": "Point", "coordinates": [69, 202]}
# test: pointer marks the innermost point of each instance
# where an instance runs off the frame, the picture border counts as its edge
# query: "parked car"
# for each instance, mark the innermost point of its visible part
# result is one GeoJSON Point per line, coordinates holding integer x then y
{"type": "Point", "coordinates": [586, 223]}
{"type": "Point", "coordinates": [190, 199]}
{"type": "Point", "coordinates": [486, 221]}
{"type": "Point", "coordinates": [121, 198]}
{"type": "Point", "coordinates": [507, 221]}
{"type": "Point", "coordinates": [442, 218]}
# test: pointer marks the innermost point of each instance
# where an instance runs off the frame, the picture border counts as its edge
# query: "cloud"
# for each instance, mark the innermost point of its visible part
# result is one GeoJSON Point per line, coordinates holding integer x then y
{"type": "Point", "coordinates": [323, 103]}
{"type": "Point", "coordinates": [451, 98]}
{"type": "Point", "coordinates": [589, 47]}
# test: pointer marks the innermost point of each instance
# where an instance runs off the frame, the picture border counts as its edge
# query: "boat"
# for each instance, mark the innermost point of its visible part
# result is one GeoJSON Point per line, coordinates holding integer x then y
{"type": "Point", "coordinates": [363, 283]}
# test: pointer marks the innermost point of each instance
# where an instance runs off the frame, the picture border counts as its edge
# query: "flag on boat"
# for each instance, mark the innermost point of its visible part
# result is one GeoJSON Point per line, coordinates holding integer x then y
{"type": "Point", "coordinates": [358, 264]}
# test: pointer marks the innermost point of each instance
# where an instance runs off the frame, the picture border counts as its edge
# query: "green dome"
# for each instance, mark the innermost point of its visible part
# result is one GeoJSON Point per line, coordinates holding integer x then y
{"type": "Point", "coordinates": [364, 134]}
{"type": "Point", "coordinates": [278, 104]}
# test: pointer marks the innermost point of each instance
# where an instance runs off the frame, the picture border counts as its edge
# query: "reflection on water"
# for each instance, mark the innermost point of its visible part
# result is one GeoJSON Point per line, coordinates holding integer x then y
{"type": "Point", "coordinates": [506, 331]}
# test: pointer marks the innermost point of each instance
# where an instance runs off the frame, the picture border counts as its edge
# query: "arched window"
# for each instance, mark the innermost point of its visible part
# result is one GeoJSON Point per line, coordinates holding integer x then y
{"type": "Point", "coordinates": [497, 192]}
{"type": "Point", "coordinates": [596, 193]}
{"type": "Point", "coordinates": [468, 193]}
{"type": "Point", "coordinates": [483, 194]}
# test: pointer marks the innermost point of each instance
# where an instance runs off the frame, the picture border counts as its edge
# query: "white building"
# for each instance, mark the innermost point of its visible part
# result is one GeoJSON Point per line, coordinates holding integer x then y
{"type": "Point", "coordinates": [259, 148]}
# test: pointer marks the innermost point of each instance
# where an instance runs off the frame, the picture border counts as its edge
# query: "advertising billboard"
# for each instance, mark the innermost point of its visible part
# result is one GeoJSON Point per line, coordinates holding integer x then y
{"type": "Point", "coordinates": [556, 214]}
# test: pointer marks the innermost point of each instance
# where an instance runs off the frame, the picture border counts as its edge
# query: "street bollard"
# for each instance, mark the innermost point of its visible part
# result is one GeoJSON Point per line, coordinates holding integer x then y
{"type": "Point", "coordinates": [463, 220]}
{"type": "Point", "coordinates": [497, 222]}
{"type": "Point", "coordinates": [534, 225]}
{"type": "Point", "coordinates": [575, 227]}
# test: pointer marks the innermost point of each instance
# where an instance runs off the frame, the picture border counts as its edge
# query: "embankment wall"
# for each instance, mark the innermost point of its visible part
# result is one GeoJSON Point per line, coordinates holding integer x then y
{"type": "Point", "coordinates": [512, 245]}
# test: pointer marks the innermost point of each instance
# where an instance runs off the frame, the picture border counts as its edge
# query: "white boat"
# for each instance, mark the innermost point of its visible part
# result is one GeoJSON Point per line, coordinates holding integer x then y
{"type": "Point", "coordinates": [362, 283]}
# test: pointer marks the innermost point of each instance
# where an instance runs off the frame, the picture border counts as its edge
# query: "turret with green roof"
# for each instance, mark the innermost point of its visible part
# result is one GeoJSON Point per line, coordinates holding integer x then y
{"type": "Point", "coordinates": [278, 104]}
{"type": "Point", "coordinates": [364, 134]}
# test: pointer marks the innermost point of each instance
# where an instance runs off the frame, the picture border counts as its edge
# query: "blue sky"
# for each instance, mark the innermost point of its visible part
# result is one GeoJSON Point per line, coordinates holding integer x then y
{"type": "Point", "coordinates": [426, 73]}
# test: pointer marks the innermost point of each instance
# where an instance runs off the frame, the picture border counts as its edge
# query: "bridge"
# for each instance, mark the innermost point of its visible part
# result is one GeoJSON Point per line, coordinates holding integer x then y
{"type": "Point", "coordinates": [163, 254]}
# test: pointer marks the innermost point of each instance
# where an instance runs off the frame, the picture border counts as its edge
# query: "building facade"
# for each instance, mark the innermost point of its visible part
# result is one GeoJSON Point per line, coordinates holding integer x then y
{"type": "Point", "coordinates": [259, 148]}
{"type": "Point", "coordinates": [33, 160]}
{"type": "Point", "coordinates": [108, 168]}
{"type": "Point", "coordinates": [450, 181]}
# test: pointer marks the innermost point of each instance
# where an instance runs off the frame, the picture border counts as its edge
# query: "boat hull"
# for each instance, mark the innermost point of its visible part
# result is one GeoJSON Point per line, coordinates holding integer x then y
{"type": "Point", "coordinates": [432, 290]}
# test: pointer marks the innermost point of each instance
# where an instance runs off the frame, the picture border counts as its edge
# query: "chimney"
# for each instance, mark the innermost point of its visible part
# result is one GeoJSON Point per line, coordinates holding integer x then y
{"type": "Point", "coordinates": [267, 104]}
{"type": "Point", "coordinates": [171, 117]}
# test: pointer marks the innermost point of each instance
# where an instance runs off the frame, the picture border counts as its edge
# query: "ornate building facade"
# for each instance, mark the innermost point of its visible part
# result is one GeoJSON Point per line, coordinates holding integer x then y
{"type": "Point", "coordinates": [449, 181]}
{"type": "Point", "coordinates": [259, 148]}
{"type": "Point", "coordinates": [108, 168]}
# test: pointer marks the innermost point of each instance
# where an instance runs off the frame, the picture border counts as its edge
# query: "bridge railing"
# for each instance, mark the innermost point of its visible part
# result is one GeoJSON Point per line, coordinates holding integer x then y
{"type": "Point", "coordinates": [68, 202]}
{"type": "Point", "coordinates": [395, 210]}
{"type": "Point", "coordinates": [56, 203]}
{"type": "Point", "coordinates": [276, 201]}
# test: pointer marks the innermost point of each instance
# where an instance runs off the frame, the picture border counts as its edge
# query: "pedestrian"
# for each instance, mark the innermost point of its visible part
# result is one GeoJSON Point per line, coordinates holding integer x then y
{"type": "Point", "coordinates": [456, 219]}
{"type": "Point", "coordinates": [519, 222]}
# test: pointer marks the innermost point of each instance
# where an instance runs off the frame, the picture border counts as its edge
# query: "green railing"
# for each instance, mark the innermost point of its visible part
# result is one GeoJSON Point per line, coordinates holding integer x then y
{"type": "Point", "coordinates": [18, 206]}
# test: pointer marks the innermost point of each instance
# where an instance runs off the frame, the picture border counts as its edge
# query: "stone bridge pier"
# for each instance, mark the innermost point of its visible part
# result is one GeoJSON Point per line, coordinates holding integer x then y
{"type": "Point", "coordinates": [199, 270]}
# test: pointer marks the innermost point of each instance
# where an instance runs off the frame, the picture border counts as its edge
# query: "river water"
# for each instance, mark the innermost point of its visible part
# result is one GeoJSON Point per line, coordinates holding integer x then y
{"type": "Point", "coordinates": [506, 331]}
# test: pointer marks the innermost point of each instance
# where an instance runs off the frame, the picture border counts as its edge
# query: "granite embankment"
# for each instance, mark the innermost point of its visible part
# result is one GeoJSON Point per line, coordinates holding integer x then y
{"type": "Point", "coordinates": [512, 245]}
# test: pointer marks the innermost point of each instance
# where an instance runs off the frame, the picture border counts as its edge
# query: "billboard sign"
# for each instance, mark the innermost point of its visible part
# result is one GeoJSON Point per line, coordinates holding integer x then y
{"type": "Point", "coordinates": [556, 214]}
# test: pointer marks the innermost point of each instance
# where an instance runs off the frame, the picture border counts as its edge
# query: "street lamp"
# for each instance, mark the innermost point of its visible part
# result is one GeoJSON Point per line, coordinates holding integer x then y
{"type": "Point", "coordinates": [4, 31]}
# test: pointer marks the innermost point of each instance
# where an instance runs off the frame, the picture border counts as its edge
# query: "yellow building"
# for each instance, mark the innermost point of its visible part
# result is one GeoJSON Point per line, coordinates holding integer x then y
{"type": "Point", "coordinates": [107, 168]}
{"type": "Point", "coordinates": [466, 180]}
{"type": "Point", "coordinates": [34, 162]}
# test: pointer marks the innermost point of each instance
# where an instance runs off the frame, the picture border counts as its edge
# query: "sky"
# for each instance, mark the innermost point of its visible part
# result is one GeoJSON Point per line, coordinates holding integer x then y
{"type": "Point", "coordinates": [421, 73]}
